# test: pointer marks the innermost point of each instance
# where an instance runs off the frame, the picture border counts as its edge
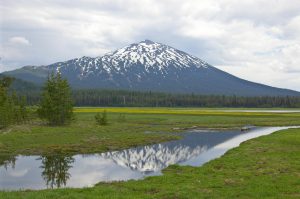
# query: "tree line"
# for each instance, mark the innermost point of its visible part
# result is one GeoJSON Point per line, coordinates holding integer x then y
{"type": "Point", "coordinates": [56, 100]}
{"type": "Point", "coordinates": [12, 108]}
{"type": "Point", "coordinates": [94, 97]}
{"type": "Point", "coordinates": [55, 104]}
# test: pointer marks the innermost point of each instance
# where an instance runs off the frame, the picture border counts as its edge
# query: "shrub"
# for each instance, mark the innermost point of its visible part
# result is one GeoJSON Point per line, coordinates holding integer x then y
{"type": "Point", "coordinates": [101, 119]}
{"type": "Point", "coordinates": [121, 117]}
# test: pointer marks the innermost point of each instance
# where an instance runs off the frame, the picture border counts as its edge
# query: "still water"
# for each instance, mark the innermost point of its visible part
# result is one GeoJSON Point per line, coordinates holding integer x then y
{"type": "Point", "coordinates": [195, 149]}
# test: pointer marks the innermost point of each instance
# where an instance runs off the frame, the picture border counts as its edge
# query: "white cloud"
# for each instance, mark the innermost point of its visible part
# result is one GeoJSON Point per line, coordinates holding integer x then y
{"type": "Point", "coordinates": [255, 39]}
{"type": "Point", "coordinates": [14, 50]}
{"type": "Point", "coordinates": [19, 41]}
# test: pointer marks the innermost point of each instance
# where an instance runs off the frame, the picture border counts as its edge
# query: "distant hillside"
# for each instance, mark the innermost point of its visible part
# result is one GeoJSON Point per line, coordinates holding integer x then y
{"type": "Point", "coordinates": [22, 85]}
{"type": "Point", "coordinates": [96, 97]}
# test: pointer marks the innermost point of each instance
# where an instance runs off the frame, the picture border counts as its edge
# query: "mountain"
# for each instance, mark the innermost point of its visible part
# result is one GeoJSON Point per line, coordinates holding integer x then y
{"type": "Point", "coordinates": [148, 65]}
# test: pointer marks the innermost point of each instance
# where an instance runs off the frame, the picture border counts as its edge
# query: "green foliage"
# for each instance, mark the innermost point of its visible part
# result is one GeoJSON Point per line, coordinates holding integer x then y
{"type": "Point", "coordinates": [122, 117]}
{"type": "Point", "coordinates": [93, 97]}
{"type": "Point", "coordinates": [123, 98]}
{"type": "Point", "coordinates": [85, 136]}
{"type": "Point", "coordinates": [12, 108]}
{"type": "Point", "coordinates": [6, 82]}
{"type": "Point", "coordinates": [101, 119]}
{"type": "Point", "coordinates": [56, 106]}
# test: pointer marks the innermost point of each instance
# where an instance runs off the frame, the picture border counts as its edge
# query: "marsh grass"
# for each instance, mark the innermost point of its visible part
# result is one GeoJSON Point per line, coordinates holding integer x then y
{"type": "Point", "coordinates": [264, 167]}
{"type": "Point", "coordinates": [85, 136]}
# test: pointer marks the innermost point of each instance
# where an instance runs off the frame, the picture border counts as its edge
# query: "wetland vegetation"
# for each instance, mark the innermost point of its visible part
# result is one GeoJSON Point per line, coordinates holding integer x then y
{"type": "Point", "coordinates": [263, 167]}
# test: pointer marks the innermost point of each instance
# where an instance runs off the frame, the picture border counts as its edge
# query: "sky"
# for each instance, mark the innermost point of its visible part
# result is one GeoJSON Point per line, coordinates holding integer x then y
{"type": "Point", "coordinates": [258, 40]}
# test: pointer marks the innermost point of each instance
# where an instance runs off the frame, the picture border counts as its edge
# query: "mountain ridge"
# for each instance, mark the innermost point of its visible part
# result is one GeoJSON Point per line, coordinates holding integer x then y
{"type": "Point", "coordinates": [148, 65]}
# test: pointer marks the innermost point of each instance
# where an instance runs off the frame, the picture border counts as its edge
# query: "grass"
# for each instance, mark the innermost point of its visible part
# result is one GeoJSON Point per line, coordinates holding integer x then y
{"type": "Point", "coordinates": [228, 175]}
{"type": "Point", "coordinates": [265, 167]}
{"type": "Point", "coordinates": [183, 111]}
{"type": "Point", "coordinates": [84, 136]}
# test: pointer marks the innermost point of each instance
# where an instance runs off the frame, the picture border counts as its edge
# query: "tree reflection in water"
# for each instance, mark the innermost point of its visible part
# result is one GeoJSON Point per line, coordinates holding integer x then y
{"type": "Point", "coordinates": [55, 170]}
{"type": "Point", "coordinates": [8, 161]}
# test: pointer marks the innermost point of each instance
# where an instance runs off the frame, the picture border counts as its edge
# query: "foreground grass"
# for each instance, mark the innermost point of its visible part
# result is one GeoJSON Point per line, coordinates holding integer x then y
{"type": "Point", "coordinates": [265, 167]}
{"type": "Point", "coordinates": [84, 136]}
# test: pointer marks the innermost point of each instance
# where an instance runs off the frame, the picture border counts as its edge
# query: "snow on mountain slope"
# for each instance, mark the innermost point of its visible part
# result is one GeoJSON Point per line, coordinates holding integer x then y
{"type": "Point", "coordinates": [145, 66]}
{"type": "Point", "coordinates": [152, 56]}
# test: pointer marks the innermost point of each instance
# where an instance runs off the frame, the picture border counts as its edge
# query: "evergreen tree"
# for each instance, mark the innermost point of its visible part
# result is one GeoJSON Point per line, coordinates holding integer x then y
{"type": "Point", "coordinates": [12, 109]}
{"type": "Point", "coordinates": [56, 104]}
{"type": "Point", "coordinates": [95, 97]}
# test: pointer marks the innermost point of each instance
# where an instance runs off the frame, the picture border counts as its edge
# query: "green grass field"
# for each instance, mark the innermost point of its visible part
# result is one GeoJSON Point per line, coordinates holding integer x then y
{"type": "Point", "coordinates": [84, 136]}
{"type": "Point", "coordinates": [263, 167]}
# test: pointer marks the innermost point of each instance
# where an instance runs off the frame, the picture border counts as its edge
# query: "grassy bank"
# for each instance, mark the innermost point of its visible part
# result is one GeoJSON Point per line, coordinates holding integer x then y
{"type": "Point", "coordinates": [265, 167]}
{"type": "Point", "coordinates": [84, 136]}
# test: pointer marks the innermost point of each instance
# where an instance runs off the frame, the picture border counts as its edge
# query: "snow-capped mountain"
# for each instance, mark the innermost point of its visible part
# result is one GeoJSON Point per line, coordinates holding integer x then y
{"type": "Point", "coordinates": [154, 57]}
{"type": "Point", "coordinates": [148, 65]}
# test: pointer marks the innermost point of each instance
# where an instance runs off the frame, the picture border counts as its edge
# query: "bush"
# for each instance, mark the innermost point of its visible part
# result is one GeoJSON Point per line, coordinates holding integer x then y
{"type": "Point", "coordinates": [121, 117]}
{"type": "Point", "coordinates": [101, 119]}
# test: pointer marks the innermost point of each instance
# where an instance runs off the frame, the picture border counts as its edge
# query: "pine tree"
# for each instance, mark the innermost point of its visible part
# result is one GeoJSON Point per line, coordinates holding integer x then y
{"type": "Point", "coordinates": [12, 109]}
{"type": "Point", "coordinates": [23, 110]}
{"type": "Point", "coordinates": [56, 105]}
{"type": "Point", "coordinates": [5, 103]}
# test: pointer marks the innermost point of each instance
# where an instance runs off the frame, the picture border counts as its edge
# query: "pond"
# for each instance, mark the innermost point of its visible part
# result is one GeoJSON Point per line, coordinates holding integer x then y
{"type": "Point", "coordinates": [195, 148]}
{"type": "Point", "coordinates": [265, 111]}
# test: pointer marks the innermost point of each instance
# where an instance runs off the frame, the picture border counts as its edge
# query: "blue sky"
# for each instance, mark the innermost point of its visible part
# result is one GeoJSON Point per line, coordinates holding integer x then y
{"type": "Point", "coordinates": [258, 40]}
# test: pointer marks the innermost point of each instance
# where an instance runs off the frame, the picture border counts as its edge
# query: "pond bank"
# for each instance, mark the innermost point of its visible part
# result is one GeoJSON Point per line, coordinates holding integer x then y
{"type": "Point", "coordinates": [246, 171]}
{"type": "Point", "coordinates": [51, 171]}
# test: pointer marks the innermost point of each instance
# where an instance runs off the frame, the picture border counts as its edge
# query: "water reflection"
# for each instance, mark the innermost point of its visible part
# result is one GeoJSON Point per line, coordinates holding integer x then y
{"type": "Point", "coordinates": [8, 161]}
{"type": "Point", "coordinates": [196, 148]}
{"type": "Point", "coordinates": [153, 158]}
{"type": "Point", "coordinates": [56, 170]}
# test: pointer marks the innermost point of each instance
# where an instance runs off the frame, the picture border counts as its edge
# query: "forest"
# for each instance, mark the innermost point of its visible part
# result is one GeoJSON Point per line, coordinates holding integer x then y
{"type": "Point", "coordinates": [123, 98]}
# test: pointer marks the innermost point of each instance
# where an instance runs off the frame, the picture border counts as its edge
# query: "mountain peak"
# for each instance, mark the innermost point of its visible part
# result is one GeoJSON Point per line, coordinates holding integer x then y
{"type": "Point", "coordinates": [148, 65]}
{"type": "Point", "coordinates": [155, 57]}
{"type": "Point", "coordinates": [147, 41]}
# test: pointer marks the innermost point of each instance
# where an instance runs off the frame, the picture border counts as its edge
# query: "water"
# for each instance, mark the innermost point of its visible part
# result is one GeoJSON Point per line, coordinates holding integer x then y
{"type": "Point", "coordinates": [265, 111]}
{"type": "Point", "coordinates": [195, 149]}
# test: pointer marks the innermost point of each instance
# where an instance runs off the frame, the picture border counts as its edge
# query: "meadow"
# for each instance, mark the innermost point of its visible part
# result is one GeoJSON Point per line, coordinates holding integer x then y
{"type": "Point", "coordinates": [263, 167]}
{"type": "Point", "coordinates": [83, 135]}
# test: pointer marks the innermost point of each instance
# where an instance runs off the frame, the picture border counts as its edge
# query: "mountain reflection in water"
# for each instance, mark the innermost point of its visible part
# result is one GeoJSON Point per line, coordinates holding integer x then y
{"type": "Point", "coordinates": [195, 148]}
{"type": "Point", "coordinates": [154, 158]}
